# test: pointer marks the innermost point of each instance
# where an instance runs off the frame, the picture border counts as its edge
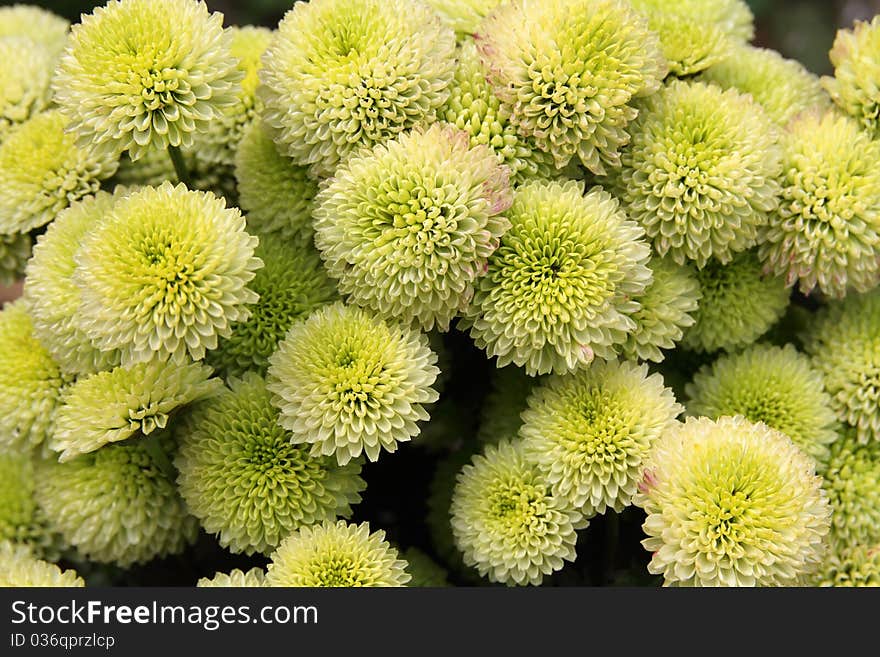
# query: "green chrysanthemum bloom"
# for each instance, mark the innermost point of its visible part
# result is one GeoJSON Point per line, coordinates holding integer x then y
{"type": "Point", "coordinates": [277, 195]}
{"type": "Point", "coordinates": [113, 406]}
{"type": "Point", "coordinates": [854, 87]}
{"type": "Point", "coordinates": [118, 504]}
{"type": "Point", "coordinates": [464, 16]}
{"type": "Point", "coordinates": [165, 274]}
{"type": "Point", "coordinates": [826, 231]}
{"type": "Point", "coordinates": [24, 80]}
{"type": "Point", "coordinates": [336, 555]}
{"type": "Point", "coordinates": [667, 308]}
{"type": "Point", "coordinates": [146, 73]}
{"type": "Point", "coordinates": [253, 578]}
{"type": "Point", "coordinates": [567, 71]}
{"type": "Point", "coordinates": [738, 304]}
{"type": "Point", "coordinates": [15, 250]}
{"type": "Point", "coordinates": [423, 570]}
{"type": "Point", "coordinates": [44, 171]}
{"type": "Point", "coordinates": [30, 382]}
{"type": "Point", "coordinates": [348, 383]}
{"type": "Point", "coordinates": [732, 503]}
{"type": "Point", "coordinates": [474, 108]}
{"type": "Point", "coordinates": [701, 172]}
{"type": "Point", "coordinates": [858, 566]}
{"type": "Point", "coordinates": [559, 290]}
{"type": "Point", "coordinates": [506, 521]}
{"type": "Point", "coordinates": [590, 433]}
{"type": "Point", "coordinates": [500, 413]}
{"type": "Point", "coordinates": [36, 24]}
{"type": "Point", "coordinates": [774, 385]}
{"type": "Point", "coordinates": [783, 87]}
{"type": "Point", "coordinates": [21, 519]}
{"type": "Point", "coordinates": [844, 343]}
{"type": "Point", "coordinates": [291, 285]}
{"type": "Point", "coordinates": [20, 568]}
{"type": "Point", "coordinates": [241, 475]}
{"type": "Point", "coordinates": [407, 227]}
{"type": "Point", "coordinates": [342, 74]}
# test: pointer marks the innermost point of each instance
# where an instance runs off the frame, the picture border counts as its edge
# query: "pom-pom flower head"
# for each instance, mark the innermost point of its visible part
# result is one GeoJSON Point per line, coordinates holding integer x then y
{"type": "Point", "coordinates": [851, 567]}
{"type": "Point", "coordinates": [348, 383]}
{"type": "Point", "coordinates": [24, 84]}
{"type": "Point", "coordinates": [589, 433]}
{"type": "Point", "coordinates": [341, 74]}
{"type": "Point", "coordinates": [732, 503]}
{"type": "Point", "coordinates": [20, 568]}
{"type": "Point", "coordinates": [244, 479]}
{"type": "Point", "coordinates": [559, 289]}
{"type": "Point", "coordinates": [21, 519]}
{"type": "Point", "coordinates": [407, 228]}
{"type": "Point", "coordinates": [336, 555]}
{"type": "Point", "coordinates": [138, 74]}
{"type": "Point", "coordinates": [15, 250]}
{"type": "Point", "coordinates": [255, 577]}
{"type": "Point", "coordinates": [34, 23]}
{"type": "Point", "coordinates": [700, 173]}
{"type": "Point", "coordinates": [506, 521]}
{"type": "Point", "coordinates": [165, 273]}
{"type": "Point", "coordinates": [567, 71]}
{"type": "Point", "coordinates": [856, 59]}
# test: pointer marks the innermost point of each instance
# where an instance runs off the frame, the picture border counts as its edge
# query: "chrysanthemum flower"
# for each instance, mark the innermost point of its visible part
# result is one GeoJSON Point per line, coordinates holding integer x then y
{"type": "Point", "coordinates": [783, 87]}
{"type": "Point", "coordinates": [668, 306]}
{"type": "Point", "coordinates": [407, 227]}
{"type": "Point", "coordinates": [113, 406]}
{"type": "Point", "coordinates": [701, 172]}
{"type": "Point", "coordinates": [559, 290]}
{"type": "Point", "coordinates": [505, 401]}
{"type": "Point", "coordinates": [20, 568]}
{"type": "Point", "coordinates": [732, 503]}
{"type": "Point", "coordinates": [118, 504]}
{"type": "Point", "coordinates": [21, 519]}
{"type": "Point", "coordinates": [34, 23]}
{"type": "Point", "coordinates": [589, 433]}
{"type": "Point", "coordinates": [165, 273]}
{"type": "Point", "coordinates": [24, 80]}
{"type": "Point", "coordinates": [738, 304]}
{"type": "Point", "coordinates": [255, 577]}
{"type": "Point", "coordinates": [858, 566]}
{"type": "Point", "coordinates": [336, 555]}
{"type": "Point", "coordinates": [567, 71]}
{"type": "Point", "coordinates": [774, 385]}
{"type": "Point", "coordinates": [241, 475]}
{"type": "Point", "coordinates": [30, 382]}
{"type": "Point", "coordinates": [424, 571]}
{"type": "Point", "coordinates": [342, 74]}
{"type": "Point", "coordinates": [277, 195]}
{"type": "Point", "coordinates": [15, 250]}
{"type": "Point", "coordinates": [291, 285]}
{"type": "Point", "coordinates": [844, 342]}
{"type": "Point", "coordinates": [856, 59]}
{"type": "Point", "coordinates": [44, 171]}
{"type": "Point", "coordinates": [506, 521]}
{"type": "Point", "coordinates": [146, 73]}
{"type": "Point", "coordinates": [826, 231]}
{"type": "Point", "coordinates": [348, 383]}
{"type": "Point", "coordinates": [464, 16]}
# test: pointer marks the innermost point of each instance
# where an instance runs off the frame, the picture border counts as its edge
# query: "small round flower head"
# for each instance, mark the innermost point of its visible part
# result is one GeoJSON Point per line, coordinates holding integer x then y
{"type": "Point", "coordinates": [567, 71]}
{"type": "Point", "coordinates": [858, 566]}
{"type": "Point", "coordinates": [701, 172]}
{"type": "Point", "coordinates": [336, 555]}
{"type": "Point", "coordinates": [464, 16]}
{"type": "Point", "coordinates": [407, 227]}
{"type": "Point", "coordinates": [783, 87]}
{"type": "Point", "coordinates": [291, 284]}
{"type": "Point", "coordinates": [856, 59]}
{"type": "Point", "coordinates": [826, 231]}
{"type": "Point", "coordinates": [34, 23]}
{"type": "Point", "coordinates": [474, 108]}
{"type": "Point", "coordinates": [732, 503]}
{"type": "Point", "coordinates": [44, 171]}
{"type": "Point", "coordinates": [165, 273]}
{"type": "Point", "coordinates": [21, 519]}
{"type": "Point", "coordinates": [844, 343]}
{"type": "Point", "coordinates": [30, 382]}
{"type": "Point", "coordinates": [113, 406]}
{"type": "Point", "coordinates": [24, 81]}
{"type": "Point", "coordinates": [118, 504]}
{"type": "Point", "coordinates": [424, 571]}
{"type": "Point", "coordinates": [20, 568]}
{"type": "Point", "coordinates": [559, 290]}
{"type": "Point", "coordinates": [506, 400]}
{"type": "Point", "coordinates": [253, 578]}
{"type": "Point", "coordinates": [277, 195]}
{"type": "Point", "coordinates": [241, 475]}
{"type": "Point", "coordinates": [774, 385]}
{"type": "Point", "coordinates": [738, 304]}
{"type": "Point", "coordinates": [342, 74]}
{"type": "Point", "coordinates": [15, 250]}
{"type": "Point", "coordinates": [348, 383]}
{"type": "Point", "coordinates": [146, 73]}
{"type": "Point", "coordinates": [589, 433]}
{"type": "Point", "coordinates": [668, 307]}
{"type": "Point", "coordinates": [506, 521]}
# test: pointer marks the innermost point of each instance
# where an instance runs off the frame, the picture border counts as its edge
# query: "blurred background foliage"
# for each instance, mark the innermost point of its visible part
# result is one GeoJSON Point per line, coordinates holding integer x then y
{"type": "Point", "coordinates": [801, 29]}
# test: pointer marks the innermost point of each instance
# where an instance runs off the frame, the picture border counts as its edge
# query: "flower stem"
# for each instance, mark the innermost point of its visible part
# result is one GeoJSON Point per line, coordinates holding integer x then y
{"type": "Point", "coordinates": [159, 457]}
{"type": "Point", "coordinates": [180, 167]}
